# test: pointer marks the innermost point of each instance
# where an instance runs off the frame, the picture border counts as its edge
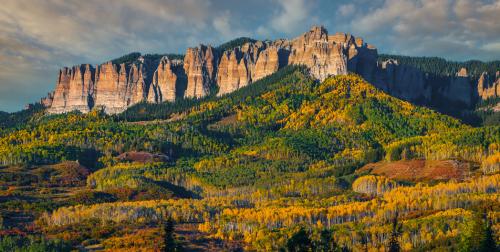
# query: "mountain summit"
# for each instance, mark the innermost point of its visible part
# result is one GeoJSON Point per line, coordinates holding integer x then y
{"type": "Point", "coordinates": [118, 85]}
{"type": "Point", "coordinates": [205, 70]}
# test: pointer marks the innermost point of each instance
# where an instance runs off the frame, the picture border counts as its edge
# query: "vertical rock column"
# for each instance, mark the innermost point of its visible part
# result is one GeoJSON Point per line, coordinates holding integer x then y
{"type": "Point", "coordinates": [232, 71]}
{"type": "Point", "coordinates": [61, 92]}
{"type": "Point", "coordinates": [200, 66]}
{"type": "Point", "coordinates": [164, 83]}
{"type": "Point", "coordinates": [111, 87]}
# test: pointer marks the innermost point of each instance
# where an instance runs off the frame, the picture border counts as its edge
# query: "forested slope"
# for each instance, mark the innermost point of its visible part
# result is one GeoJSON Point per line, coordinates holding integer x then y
{"type": "Point", "coordinates": [259, 168]}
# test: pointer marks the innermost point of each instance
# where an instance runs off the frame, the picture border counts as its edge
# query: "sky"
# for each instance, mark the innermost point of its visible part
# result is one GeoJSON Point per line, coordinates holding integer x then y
{"type": "Point", "coordinates": [38, 37]}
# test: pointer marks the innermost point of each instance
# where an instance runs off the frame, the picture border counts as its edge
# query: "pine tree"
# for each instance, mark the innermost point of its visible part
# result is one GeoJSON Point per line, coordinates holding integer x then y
{"type": "Point", "coordinates": [327, 242]}
{"type": "Point", "coordinates": [169, 243]}
{"type": "Point", "coordinates": [299, 242]}
{"type": "Point", "coordinates": [395, 233]}
{"type": "Point", "coordinates": [478, 236]}
{"type": "Point", "coordinates": [489, 243]}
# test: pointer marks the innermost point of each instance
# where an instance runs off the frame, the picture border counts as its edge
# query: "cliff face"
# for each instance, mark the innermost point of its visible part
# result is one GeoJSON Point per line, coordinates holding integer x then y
{"type": "Point", "coordinates": [206, 69]}
{"type": "Point", "coordinates": [459, 88]}
{"type": "Point", "coordinates": [267, 63]}
{"type": "Point", "coordinates": [164, 85]}
{"type": "Point", "coordinates": [74, 88]}
{"type": "Point", "coordinates": [323, 54]}
{"type": "Point", "coordinates": [200, 65]}
{"type": "Point", "coordinates": [113, 87]}
{"type": "Point", "coordinates": [116, 87]}
{"type": "Point", "coordinates": [488, 86]}
{"type": "Point", "coordinates": [402, 81]}
{"type": "Point", "coordinates": [232, 72]}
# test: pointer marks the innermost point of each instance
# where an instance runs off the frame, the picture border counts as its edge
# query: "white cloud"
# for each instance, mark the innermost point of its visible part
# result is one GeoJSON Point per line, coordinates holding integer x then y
{"type": "Point", "coordinates": [433, 27]}
{"type": "Point", "coordinates": [346, 9]}
{"type": "Point", "coordinates": [223, 25]}
{"type": "Point", "coordinates": [263, 31]}
{"type": "Point", "coordinates": [385, 16]}
{"type": "Point", "coordinates": [98, 27]}
{"type": "Point", "coordinates": [494, 47]}
{"type": "Point", "coordinates": [292, 15]}
{"type": "Point", "coordinates": [478, 18]}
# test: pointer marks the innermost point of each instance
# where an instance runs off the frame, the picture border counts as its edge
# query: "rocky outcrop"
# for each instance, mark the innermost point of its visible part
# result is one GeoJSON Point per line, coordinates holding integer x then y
{"type": "Point", "coordinates": [115, 87]}
{"type": "Point", "coordinates": [164, 85]}
{"type": "Point", "coordinates": [267, 63]}
{"type": "Point", "coordinates": [323, 54]}
{"type": "Point", "coordinates": [233, 72]}
{"type": "Point", "coordinates": [74, 89]}
{"type": "Point", "coordinates": [402, 81]}
{"type": "Point", "coordinates": [241, 66]}
{"type": "Point", "coordinates": [323, 57]}
{"type": "Point", "coordinates": [459, 89]}
{"type": "Point", "coordinates": [47, 100]}
{"type": "Point", "coordinates": [200, 67]}
{"type": "Point", "coordinates": [488, 86]}
{"type": "Point", "coordinates": [111, 87]}
{"type": "Point", "coordinates": [120, 86]}
{"type": "Point", "coordinates": [60, 101]}
{"type": "Point", "coordinates": [206, 69]}
{"type": "Point", "coordinates": [137, 85]}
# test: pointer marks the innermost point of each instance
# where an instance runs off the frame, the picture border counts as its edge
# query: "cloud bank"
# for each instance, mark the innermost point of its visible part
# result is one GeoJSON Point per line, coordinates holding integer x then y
{"type": "Point", "coordinates": [39, 37]}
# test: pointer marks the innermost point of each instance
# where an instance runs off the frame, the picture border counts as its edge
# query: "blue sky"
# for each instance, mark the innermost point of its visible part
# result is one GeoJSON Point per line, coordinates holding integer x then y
{"type": "Point", "coordinates": [37, 37]}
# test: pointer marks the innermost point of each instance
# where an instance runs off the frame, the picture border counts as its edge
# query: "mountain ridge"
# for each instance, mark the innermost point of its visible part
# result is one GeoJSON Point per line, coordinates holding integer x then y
{"type": "Point", "coordinates": [204, 70]}
{"type": "Point", "coordinates": [205, 67]}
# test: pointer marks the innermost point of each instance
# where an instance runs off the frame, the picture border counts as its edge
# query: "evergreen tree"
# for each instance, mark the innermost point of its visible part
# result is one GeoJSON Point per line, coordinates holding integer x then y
{"type": "Point", "coordinates": [477, 236]}
{"type": "Point", "coordinates": [326, 242]}
{"type": "Point", "coordinates": [489, 243]}
{"type": "Point", "coordinates": [299, 242]}
{"type": "Point", "coordinates": [169, 243]}
{"type": "Point", "coordinates": [395, 233]}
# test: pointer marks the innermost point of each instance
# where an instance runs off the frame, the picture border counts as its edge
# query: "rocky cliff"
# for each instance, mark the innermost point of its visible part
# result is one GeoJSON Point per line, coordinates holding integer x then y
{"type": "Point", "coordinates": [165, 81]}
{"type": "Point", "coordinates": [206, 70]}
{"type": "Point", "coordinates": [488, 86]}
{"type": "Point", "coordinates": [74, 88]}
{"type": "Point", "coordinates": [200, 66]}
{"type": "Point", "coordinates": [459, 88]}
{"type": "Point", "coordinates": [402, 81]}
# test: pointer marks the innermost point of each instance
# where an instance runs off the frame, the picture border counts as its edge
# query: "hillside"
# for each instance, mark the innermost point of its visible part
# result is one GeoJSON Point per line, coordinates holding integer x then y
{"type": "Point", "coordinates": [254, 168]}
{"type": "Point", "coordinates": [453, 88]}
{"type": "Point", "coordinates": [16, 119]}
